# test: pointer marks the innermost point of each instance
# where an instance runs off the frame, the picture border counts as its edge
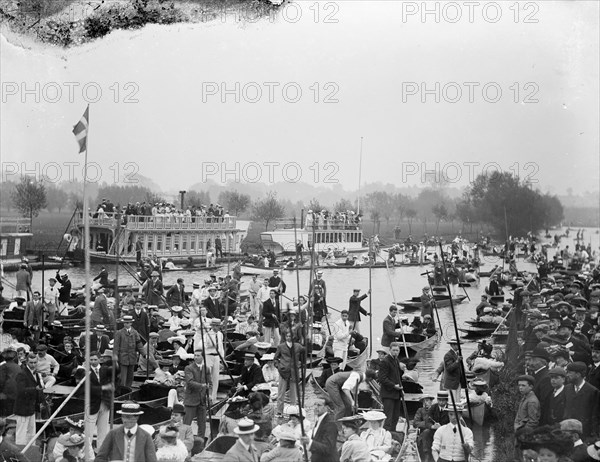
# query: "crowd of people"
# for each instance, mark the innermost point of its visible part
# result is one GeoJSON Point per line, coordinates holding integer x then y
{"type": "Point", "coordinates": [212, 212]}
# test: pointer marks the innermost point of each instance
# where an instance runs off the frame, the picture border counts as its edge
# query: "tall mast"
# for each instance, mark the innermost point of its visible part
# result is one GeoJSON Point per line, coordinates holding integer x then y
{"type": "Point", "coordinates": [359, 175]}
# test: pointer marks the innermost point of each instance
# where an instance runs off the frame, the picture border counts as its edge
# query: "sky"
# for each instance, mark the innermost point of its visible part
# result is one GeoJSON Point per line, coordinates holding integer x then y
{"type": "Point", "coordinates": [290, 97]}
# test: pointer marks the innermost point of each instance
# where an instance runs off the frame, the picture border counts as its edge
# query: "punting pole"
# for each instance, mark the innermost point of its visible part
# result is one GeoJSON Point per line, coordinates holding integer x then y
{"type": "Point", "coordinates": [88, 283]}
{"type": "Point", "coordinates": [307, 331]}
{"type": "Point", "coordinates": [458, 417]}
{"type": "Point", "coordinates": [462, 365]}
{"type": "Point", "coordinates": [62, 404]}
{"type": "Point", "coordinates": [114, 328]}
{"type": "Point", "coordinates": [370, 313]}
{"type": "Point", "coordinates": [295, 368]}
{"type": "Point", "coordinates": [394, 295]}
{"type": "Point", "coordinates": [437, 314]}
{"type": "Point", "coordinates": [207, 396]}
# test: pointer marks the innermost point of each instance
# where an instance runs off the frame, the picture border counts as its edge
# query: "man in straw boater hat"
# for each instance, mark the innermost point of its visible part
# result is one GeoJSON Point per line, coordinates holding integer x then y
{"type": "Point", "coordinates": [127, 343]}
{"type": "Point", "coordinates": [127, 442]}
{"type": "Point", "coordinates": [453, 441]}
{"type": "Point", "coordinates": [244, 449]}
{"type": "Point", "coordinates": [198, 387]}
{"type": "Point", "coordinates": [452, 370]}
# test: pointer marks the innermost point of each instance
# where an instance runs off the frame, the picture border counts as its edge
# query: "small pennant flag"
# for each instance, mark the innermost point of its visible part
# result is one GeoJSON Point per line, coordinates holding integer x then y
{"type": "Point", "coordinates": [81, 130]}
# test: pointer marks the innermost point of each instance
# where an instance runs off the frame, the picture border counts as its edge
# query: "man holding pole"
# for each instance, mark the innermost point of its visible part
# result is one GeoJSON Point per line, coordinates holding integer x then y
{"type": "Point", "coordinates": [288, 374]}
{"type": "Point", "coordinates": [355, 310]}
{"type": "Point", "coordinates": [390, 376]}
{"type": "Point", "coordinates": [28, 399]}
{"type": "Point", "coordinates": [453, 441]}
{"type": "Point", "coordinates": [452, 370]}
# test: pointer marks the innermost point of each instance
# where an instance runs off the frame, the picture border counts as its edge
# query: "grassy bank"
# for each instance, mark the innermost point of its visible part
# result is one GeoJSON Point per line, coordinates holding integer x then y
{"type": "Point", "coordinates": [505, 397]}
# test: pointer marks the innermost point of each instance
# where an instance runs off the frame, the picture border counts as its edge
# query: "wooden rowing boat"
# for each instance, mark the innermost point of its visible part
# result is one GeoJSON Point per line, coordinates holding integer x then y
{"type": "Point", "coordinates": [478, 413]}
{"type": "Point", "coordinates": [441, 301]}
{"type": "Point", "coordinates": [474, 331]}
{"type": "Point", "coordinates": [192, 269]}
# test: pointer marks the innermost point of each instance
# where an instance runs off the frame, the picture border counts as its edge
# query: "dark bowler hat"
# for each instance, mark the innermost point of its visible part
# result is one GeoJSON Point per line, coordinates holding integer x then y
{"type": "Point", "coordinates": [577, 366]}
{"type": "Point", "coordinates": [539, 352]}
{"type": "Point", "coordinates": [178, 409]}
{"type": "Point", "coordinates": [566, 323]}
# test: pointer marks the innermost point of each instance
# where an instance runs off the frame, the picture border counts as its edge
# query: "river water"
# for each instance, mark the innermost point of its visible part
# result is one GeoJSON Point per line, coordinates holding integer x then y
{"type": "Point", "coordinates": [406, 282]}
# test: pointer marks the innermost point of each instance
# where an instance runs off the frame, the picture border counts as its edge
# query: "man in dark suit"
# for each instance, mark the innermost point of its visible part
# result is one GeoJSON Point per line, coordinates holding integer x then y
{"type": "Point", "coordinates": [64, 291]}
{"type": "Point", "coordinates": [251, 375]}
{"type": "Point", "coordinates": [176, 294]}
{"type": "Point", "coordinates": [34, 315]}
{"type": "Point", "coordinates": [581, 350]}
{"type": "Point", "coordinates": [8, 385]}
{"type": "Point", "coordinates": [582, 400]}
{"type": "Point", "coordinates": [141, 323]}
{"type": "Point", "coordinates": [152, 289]}
{"type": "Point", "coordinates": [537, 364]}
{"type": "Point", "coordinates": [127, 442]}
{"type": "Point", "coordinates": [213, 304]}
{"type": "Point", "coordinates": [389, 329]}
{"type": "Point", "coordinates": [354, 309]}
{"type": "Point", "coordinates": [271, 316]}
{"type": "Point", "coordinates": [126, 346]}
{"type": "Point", "coordinates": [452, 370]}
{"type": "Point", "coordinates": [98, 339]}
{"type": "Point", "coordinates": [390, 378]}
{"type": "Point", "coordinates": [556, 403]}
{"type": "Point", "coordinates": [100, 314]}
{"type": "Point", "coordinates": [323, 440]}
{"type": "Point", "coordinates": [593, 376]}
{"type": "Point", "coordinates": [198, 387]}
{"type": "Point", "coordinates": [275, 282]}
{"type": "Point", "coordinates": [29, 395]}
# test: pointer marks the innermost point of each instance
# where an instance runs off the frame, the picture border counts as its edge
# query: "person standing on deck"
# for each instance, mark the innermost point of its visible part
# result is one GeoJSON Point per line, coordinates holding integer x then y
{"type": "Point", "coordinates": [23, 285]}
{"type": "Point", "coordinates": [319, 282]}
{"type": "Point", "coordinates": [198, 388]}
{"type": "Point", "coordinates": [355, 310]}
{"type": "Point", "coordinates": [390, 334]}
{"type": "Point", "coordinates": [270, 318]}
{"type": "Point", "coordinates": [426, 302]}
{"type": "Point", "coordinates": [341, 337]}
{"type": "Point", "coordinates": [390, 377]}
{"type": "Point", "coordinates": [141, 322]}
{"type": "Point", "coordinates": [255, 286]}
{"type": "Point", "coordinates": [452, 370]}
{"type": "Point", "coordinates": [29, 395]}
{"type": "Point", "coordinates": [51, 299]}
{"type": "Point", "coordinates": [212, 342]}
{"type": "Point", "coordinates": [127, 343]}
{"type": "Point", "coordinates": [152, 290]}
{"type": "Point", "coordinates": [288, 367]}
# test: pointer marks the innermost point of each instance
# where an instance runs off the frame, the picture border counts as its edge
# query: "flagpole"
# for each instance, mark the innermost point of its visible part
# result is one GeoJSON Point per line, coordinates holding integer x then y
{"type": "Point", "coordinates": [86, 224]}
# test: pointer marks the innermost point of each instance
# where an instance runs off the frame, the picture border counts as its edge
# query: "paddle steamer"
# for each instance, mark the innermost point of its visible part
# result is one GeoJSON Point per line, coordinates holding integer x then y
{"type": "Point", "coordinates": [333, 234]}
{"type": "Point", "coordinates": [174, 237]}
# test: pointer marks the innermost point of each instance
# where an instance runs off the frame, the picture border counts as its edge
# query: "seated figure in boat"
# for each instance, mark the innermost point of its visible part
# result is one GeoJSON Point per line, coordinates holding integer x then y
{"type": "Point", "coordinates": [378, 440]}
{"type": "Point", "coordinates": [411, 372]}
{"type": "Point", "coordinates": [478, 393]}
{"type": "Point", "coordinates": [294, 415]}
{"type": "Point", "coordinates": [487, 315]}
{"type": "Point", "coordinates": [429, 325]}
{"type": "Point", "coordinates": [162, 374]}
{"type": "Point", "coordinates": [333, 364]}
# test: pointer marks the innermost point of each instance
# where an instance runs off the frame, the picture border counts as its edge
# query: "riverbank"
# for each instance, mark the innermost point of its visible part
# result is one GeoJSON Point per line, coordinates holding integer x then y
{"type": "Point", "coordinates": [67, 23]}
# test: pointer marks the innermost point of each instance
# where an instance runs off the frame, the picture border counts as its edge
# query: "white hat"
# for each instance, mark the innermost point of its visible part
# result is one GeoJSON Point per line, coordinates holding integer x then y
{"type": "Point", "coordinates": [246, 426]}
{"type": "Point", "coordinates": [268, 357]}
{"type": "Point", "coordinates": [373, 415]}
{"type": "Point", "coordinates": [178, 338]}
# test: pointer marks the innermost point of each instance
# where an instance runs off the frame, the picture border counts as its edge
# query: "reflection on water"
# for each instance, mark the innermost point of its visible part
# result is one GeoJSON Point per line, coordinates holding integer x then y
{"type": "Point", "coordinates": [407, 282]}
